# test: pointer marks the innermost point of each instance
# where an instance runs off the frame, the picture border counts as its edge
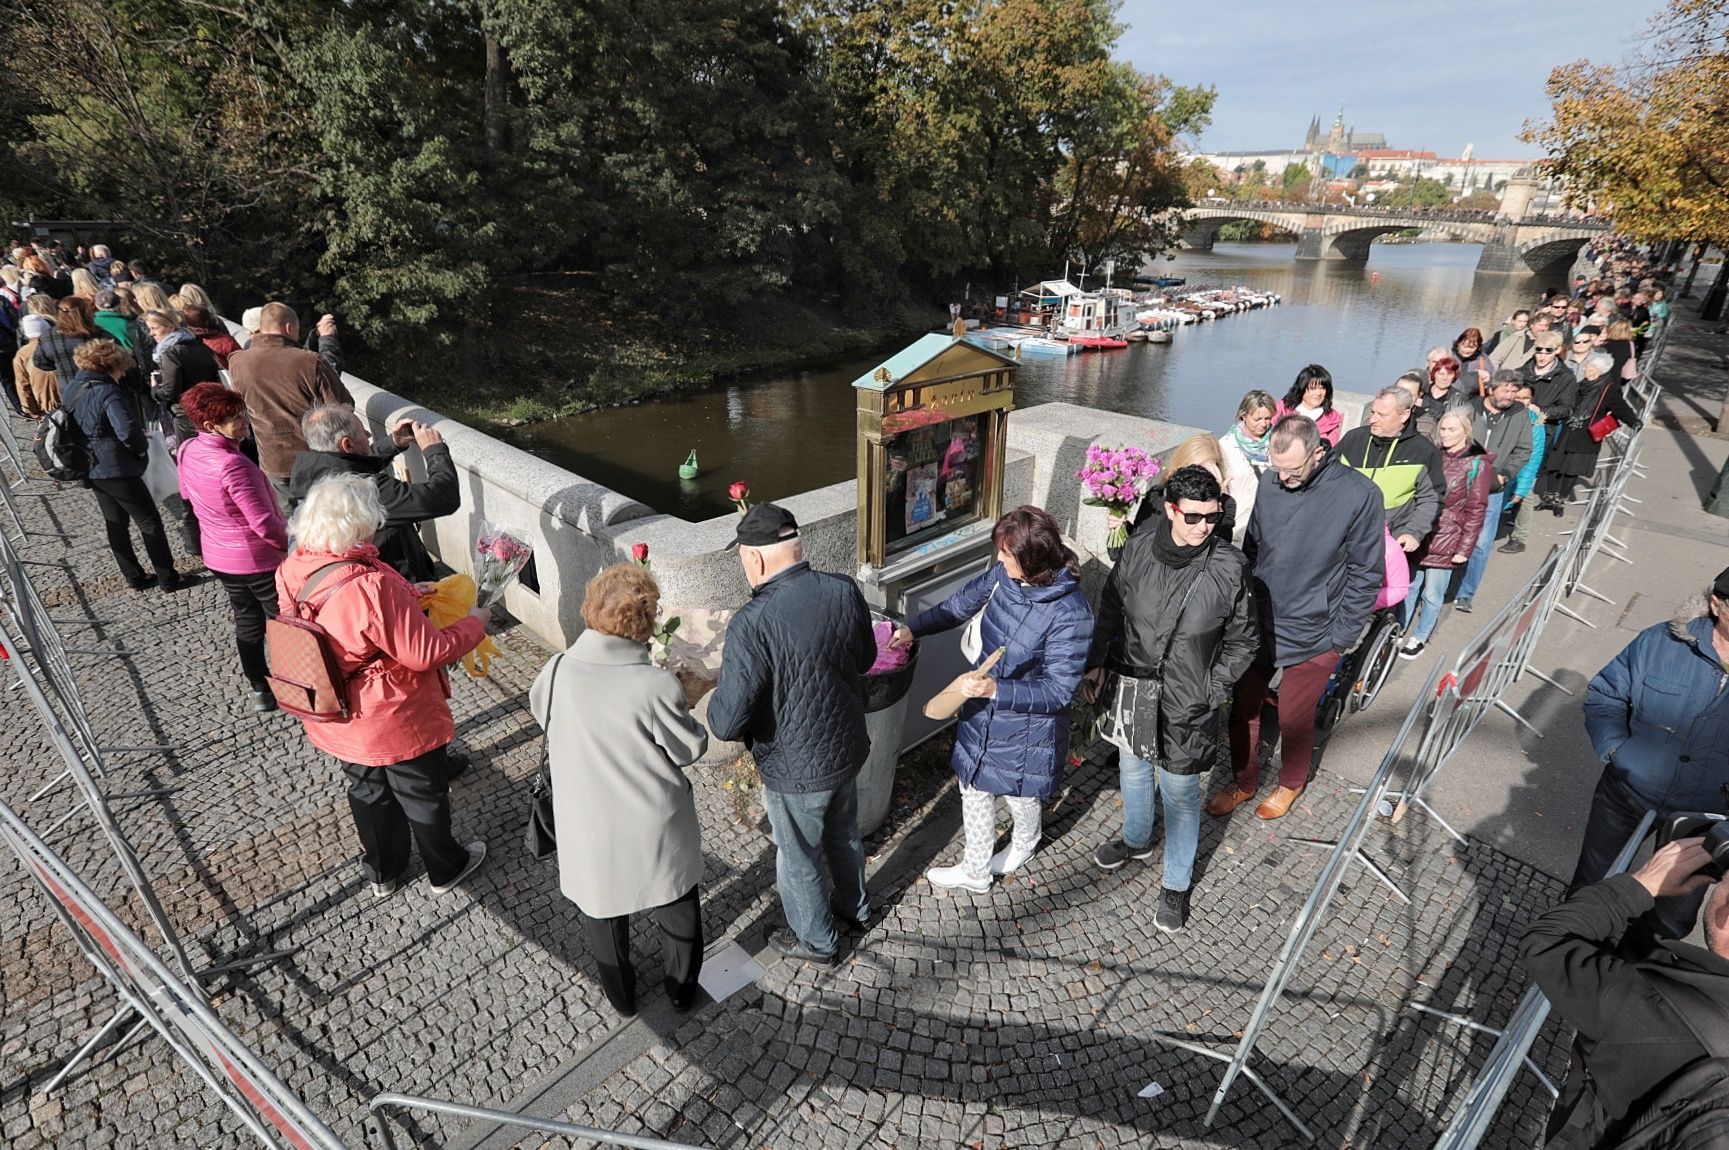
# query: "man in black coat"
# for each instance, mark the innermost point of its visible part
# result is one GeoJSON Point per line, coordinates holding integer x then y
{"type": "Point", "coordinates": [338, 443]}
{"type": "Point", "coordinates": [1645, 1010]}
{"type": "Point", "coordinates": [1176, 625]}
{"type": "Point", "coordinates": [791, 688]}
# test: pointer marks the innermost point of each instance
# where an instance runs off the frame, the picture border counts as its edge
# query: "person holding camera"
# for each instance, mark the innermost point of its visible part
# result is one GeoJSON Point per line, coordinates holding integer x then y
{"type": "Point", "coordinates": [1658, 717]}
{"type": "Point", "coordinates": [1652, 1017]}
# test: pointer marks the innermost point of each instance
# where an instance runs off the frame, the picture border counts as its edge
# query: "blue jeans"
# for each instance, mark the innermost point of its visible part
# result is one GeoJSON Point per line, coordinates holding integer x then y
{"type": "Point", "coordinates": [807, 827]}
{"type": "Point", "coordinates": [1423, 604]}
{"type": "Point", "coordinates": [1480, 554]}
{"type": "Point", "coordinates": [1182, 802]}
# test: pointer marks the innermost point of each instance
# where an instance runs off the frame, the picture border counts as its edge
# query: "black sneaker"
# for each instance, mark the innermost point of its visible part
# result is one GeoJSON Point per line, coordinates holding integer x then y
{"type": "Point", "coordinates": [1173, 913]}
{"type": "Point", "coordinates": [785, 942]}
{"type": "Point", "coordinates": [847, 922]}
{"type": "Point", "coordinates": [1511, 547]}
{"type": "Point", "coordinates": [1412, 651]}
{"type": "Point", "coordinates": [263, 701]}
{"type": "Point", "coordinates": [1117, 852]}
{"type": "Point", "coordinates": [1462, 605]}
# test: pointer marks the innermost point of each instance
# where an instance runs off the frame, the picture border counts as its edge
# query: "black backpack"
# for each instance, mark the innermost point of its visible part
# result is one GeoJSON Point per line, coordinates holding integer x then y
{"type": "Point", "coordinates": [62, 448]}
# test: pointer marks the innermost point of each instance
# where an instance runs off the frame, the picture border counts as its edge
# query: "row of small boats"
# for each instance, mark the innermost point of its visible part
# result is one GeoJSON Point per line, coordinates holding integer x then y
{"type": "Point", "coordinates": [1149, 318]}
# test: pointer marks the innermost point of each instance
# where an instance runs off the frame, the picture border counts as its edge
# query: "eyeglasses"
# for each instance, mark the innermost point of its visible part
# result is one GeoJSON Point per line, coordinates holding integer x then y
{"type": "Point", "coordinates": [1194, 517]}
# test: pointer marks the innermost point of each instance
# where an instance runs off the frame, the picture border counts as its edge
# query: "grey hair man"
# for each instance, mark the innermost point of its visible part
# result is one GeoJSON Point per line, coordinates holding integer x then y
{"type": "Point", "coordinates": [790, 689]}
{"type": "Point", "coordinates": [281, 383]}
{"type": "Point", "coordinates": [339, 443]}
{"type": "Point", "coordinates": [1403, 464]}
{"type": "Point", "coordinates": [1316, 539]}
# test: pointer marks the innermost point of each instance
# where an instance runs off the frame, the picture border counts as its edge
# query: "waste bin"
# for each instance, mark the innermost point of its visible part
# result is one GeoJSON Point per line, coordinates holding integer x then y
{"type": "Point", "coordinates": [886, 698]}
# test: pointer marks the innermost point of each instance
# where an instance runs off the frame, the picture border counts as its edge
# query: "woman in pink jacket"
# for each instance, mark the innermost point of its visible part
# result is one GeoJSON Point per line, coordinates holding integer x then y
{"type": "Point", "coordinates": [244, 535]}
{"type": "Point", "coordinates": [394, 745]}
{"type": "Point", "coordinates": [1312, 396]}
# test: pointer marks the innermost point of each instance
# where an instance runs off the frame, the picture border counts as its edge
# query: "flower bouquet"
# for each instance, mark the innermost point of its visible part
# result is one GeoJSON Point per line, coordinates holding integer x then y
{"type": "Point", "coordinates": [1116, 479]}
{"type": "Point", "coordinates": [498, 556]}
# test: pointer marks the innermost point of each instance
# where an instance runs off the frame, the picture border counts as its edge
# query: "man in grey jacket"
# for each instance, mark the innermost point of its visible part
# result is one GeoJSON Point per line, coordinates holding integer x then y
{"type": "Point", "coordinates": [1500, 423]}
{"type": "Point", "coordinates": [791, 688]}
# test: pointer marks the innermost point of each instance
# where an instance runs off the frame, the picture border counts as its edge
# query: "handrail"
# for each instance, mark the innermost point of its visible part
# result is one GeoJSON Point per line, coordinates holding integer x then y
{"type": "Point", "coordinates": [387, 1140]}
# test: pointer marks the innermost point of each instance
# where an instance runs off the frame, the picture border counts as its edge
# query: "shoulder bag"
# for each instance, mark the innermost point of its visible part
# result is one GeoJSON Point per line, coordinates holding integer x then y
{"type": "Point", "coordinates": [1602, 426]}
{"type": "Point", "coordinates": [540, 835]}
{"type": "Point", "coordinates": [1131, 722]}
{"type": "Point", "coordinates": [972, 639]}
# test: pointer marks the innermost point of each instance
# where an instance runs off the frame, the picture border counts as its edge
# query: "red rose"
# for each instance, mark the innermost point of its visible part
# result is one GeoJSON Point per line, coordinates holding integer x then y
{"type": "Point", "coordinates": [738, 491]}
{"type": "Point", "coordinates": [639, 552]}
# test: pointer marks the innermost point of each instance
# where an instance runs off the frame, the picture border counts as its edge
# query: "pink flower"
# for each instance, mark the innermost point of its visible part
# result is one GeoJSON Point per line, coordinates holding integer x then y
{"type": "Point", "coordinates": [639, 553]}
{"type": "Point", "coordinates": [502, 549]}
{"type": "Point", "coordinates": [738, 491]}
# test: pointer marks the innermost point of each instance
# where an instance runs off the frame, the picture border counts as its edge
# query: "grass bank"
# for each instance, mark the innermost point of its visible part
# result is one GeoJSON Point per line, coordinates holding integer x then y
{"type": "Point", "coordinates": [561, 352]}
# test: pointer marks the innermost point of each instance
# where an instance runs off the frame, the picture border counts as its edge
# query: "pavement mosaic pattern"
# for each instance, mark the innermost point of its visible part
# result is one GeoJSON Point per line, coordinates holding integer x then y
{"type": "Point", "coordinates": [1021, 1018]}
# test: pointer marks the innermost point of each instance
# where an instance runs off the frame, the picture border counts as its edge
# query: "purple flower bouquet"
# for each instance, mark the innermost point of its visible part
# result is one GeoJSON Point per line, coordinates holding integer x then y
{"type": "Point", "coordinates": [1116, 479]}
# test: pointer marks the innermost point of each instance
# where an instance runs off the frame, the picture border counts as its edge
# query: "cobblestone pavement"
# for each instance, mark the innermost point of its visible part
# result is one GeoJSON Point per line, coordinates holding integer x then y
{"type": "Point", "coordinates": [1021, 1018]}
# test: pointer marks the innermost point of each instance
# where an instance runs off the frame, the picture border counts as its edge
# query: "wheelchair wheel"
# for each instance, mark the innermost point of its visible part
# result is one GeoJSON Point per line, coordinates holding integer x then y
{"type": "Point", "coordinates": [1380, 653]}
{"type": "Point", "coordinates": [1331, 712]}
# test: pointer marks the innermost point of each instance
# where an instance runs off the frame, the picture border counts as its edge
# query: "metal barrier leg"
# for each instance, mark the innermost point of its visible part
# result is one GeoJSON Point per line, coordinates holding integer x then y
{"type": "Point", "coordinates": [1536, 674]}
{"type": "Point", "coordinates": [1365, 860]}
{"type": "Point", "coordinates": [83, 1052]}
{"type": "Point", "coordinates": [1594, 594]}
{"type": "Point", "coordinates": [1563, 609]}
{"type": "Point", "coordinates": [1506, 708]}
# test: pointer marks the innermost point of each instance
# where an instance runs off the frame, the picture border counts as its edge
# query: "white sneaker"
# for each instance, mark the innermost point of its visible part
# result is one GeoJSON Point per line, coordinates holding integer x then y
{"type": "Point", "coordinates": [476, 856]}
{"type": "Point", "coordinates": [953, 876]}
{"type": "Point", "coordinates": [1008, 860]}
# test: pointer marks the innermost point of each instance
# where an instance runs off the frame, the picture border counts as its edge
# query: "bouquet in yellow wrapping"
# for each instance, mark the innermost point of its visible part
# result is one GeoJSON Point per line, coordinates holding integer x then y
{"type": "Point", "coordinates": [450, 599]}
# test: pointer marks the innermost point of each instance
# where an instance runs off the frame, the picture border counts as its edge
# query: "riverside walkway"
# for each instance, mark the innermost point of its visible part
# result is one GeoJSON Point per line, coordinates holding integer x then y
{"type": "Point", "coordinates": [1014, 1019]}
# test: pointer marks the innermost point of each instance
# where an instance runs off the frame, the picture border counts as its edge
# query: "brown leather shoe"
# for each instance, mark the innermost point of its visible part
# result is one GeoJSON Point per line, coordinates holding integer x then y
{"type": "Point", "coordinates": [1278, 803]}
{"type": "Point", "coordinates": [1228, 800]}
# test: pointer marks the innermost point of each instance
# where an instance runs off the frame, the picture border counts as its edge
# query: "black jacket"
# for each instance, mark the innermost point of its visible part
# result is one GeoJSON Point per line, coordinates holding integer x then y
{"type": "Point", "coordinates": [108, 413]}
{"type": "Point", "coordinates": [1319, 554]}
{"type": "Point", "coordinates": [1211, 643]}
{"type": "Point", "coordinates": [406, 505]}
{"type": "Point", "coordinates": [184, 366]}
{"type": "Point", "coordinates": [1150, 514]}
{"type": "Point", "coordinates": [1505, 434]}
{"type": "Point", "coordinates": [1555, 394]}
{"type": "Point", "coordinates": [1595, 958]}
{"type": "Point", "coordinates": [790, 680]}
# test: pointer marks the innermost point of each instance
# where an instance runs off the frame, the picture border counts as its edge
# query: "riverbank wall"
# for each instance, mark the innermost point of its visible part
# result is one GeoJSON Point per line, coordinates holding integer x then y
{"type": "Point", "coordinates": [576, 527]}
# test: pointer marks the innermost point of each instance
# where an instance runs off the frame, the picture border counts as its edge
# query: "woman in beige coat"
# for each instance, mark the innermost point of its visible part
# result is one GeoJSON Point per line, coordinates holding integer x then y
{"type": "Point", "coordinates": [619, 735]}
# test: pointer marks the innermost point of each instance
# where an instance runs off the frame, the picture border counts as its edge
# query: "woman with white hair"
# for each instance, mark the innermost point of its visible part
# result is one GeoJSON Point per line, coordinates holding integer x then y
{"type": "Point", "coordinates": [394, 745]}
{"type": "Point", "coordinates": [1575, 454]}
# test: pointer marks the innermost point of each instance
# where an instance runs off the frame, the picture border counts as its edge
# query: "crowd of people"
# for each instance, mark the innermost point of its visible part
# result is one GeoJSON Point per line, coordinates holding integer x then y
{"type": "Point", "coordinates": [1254, 567]}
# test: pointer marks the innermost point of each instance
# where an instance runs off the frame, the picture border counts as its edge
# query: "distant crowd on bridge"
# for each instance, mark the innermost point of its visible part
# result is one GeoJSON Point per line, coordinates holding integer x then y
{"type": "Point", "coordinates": [1452, 214]}
{"type": "Point", "coordinates": [1251, 575]}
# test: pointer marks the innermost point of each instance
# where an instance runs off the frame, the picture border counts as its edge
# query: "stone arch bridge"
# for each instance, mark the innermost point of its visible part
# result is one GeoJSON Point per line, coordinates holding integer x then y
{"type": "Point", "coordinates": [1330, 233]}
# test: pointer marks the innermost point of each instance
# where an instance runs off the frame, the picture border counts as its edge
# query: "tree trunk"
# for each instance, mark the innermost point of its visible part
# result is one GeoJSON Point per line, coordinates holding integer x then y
{"type": "Point", "coordinates": [496, 96]}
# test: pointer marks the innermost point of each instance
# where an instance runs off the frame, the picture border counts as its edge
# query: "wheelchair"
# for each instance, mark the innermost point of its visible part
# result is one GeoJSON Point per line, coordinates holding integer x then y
{"type": "Point", "coordinates": [1363, 670]}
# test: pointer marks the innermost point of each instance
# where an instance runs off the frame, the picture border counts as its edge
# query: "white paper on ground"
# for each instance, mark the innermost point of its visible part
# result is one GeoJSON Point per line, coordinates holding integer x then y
{"type": "Point", "coordinates": [1151, 1090]}
{"type": "Point", "coordinates": [727, 969]}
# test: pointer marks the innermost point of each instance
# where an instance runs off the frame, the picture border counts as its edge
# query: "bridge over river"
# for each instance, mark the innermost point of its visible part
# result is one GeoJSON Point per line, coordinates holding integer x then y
{"type": "Point", "coordinates": [1324, 232]}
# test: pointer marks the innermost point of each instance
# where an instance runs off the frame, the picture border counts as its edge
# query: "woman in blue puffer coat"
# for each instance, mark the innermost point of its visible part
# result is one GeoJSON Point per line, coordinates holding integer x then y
{"type": "Point", "coordinates": [1658, 717]}
{"type": "Point", "coordinates": [1013, 735]}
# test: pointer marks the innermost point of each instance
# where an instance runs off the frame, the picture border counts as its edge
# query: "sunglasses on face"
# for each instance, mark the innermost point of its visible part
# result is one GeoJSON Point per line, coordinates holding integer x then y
{"type": "Point", "coordinates": [1194, 517]}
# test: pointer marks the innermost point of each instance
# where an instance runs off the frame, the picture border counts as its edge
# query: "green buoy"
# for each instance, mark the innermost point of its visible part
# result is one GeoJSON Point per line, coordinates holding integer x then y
{"type": "Point", "coordinates": [688, 469]}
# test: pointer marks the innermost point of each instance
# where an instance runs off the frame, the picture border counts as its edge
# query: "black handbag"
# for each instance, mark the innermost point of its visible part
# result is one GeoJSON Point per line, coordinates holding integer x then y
{"type": "Point", "coordinates": [540, 835]}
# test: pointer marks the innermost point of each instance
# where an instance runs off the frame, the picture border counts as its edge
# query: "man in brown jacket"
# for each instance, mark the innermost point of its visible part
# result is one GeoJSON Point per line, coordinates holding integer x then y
{"type": "Point", "coordinates": [281, 382]}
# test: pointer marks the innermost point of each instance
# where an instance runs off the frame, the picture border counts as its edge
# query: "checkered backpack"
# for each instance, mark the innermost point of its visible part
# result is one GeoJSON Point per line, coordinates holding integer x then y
{"type": "Point", "coordinates": [304, 675]}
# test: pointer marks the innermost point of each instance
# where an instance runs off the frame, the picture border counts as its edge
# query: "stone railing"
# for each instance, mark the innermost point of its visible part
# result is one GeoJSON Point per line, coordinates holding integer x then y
{"type": "Point", "coordinates": [576, 526]}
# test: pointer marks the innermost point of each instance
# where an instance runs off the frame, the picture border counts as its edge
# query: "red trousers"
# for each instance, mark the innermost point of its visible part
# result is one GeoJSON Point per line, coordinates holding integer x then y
{"type": "Point", "coordinates": [1299, 695]}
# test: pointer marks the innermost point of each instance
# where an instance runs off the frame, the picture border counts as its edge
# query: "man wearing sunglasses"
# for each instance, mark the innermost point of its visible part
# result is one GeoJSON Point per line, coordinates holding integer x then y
{"type": "Point", "coordinates": [1176, 629]}
{"type": "Point", "coordinates": [1316, 539]}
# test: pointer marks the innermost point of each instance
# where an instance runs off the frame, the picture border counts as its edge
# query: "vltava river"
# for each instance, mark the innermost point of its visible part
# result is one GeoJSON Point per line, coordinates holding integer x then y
{"type": "Point", "coordinates": [1364, 323]}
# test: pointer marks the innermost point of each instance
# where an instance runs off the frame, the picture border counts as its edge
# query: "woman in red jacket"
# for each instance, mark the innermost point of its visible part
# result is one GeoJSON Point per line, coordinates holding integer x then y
{"type": "Point", "coordinates": [394, 744]}
{"type": "Point", "coordinates": [1470, 475]}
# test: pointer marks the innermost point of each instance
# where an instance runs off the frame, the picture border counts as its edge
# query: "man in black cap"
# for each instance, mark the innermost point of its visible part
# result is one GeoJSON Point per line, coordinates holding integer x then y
{"type": "Point", "coordinates": [790, 688]}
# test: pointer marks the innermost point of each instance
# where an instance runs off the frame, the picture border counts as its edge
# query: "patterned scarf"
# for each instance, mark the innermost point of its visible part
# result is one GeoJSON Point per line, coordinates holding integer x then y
{"type": "Point", "coordinates": [1255, 449]}
{"type": "Point", "coordinates": [178, 335]}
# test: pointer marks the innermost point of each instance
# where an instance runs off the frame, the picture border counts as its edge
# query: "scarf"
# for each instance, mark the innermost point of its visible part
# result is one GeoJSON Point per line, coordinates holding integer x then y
{"type": "Point", "coordinates": [1312, 414]}
{"type": "Point", "coordinates": [1255, 449]}
{"type": "Point", "coordinates": [1171, 553]}
{"type": "Point", "coordinates": [177, 336]}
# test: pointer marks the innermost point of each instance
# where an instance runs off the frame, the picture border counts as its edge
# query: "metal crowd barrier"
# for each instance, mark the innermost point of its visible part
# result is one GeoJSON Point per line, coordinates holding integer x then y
{"type": "Point", "coordinates": [378, 1120]}
{"type": "Point", "coordinates": [96, 801]}
{"type": "Point", "coordinates": [1513, 1045]}
{"type": "Point", "coordinates": [1308, 921]}
{"type": "Point", "coordinates": [173, 1007]}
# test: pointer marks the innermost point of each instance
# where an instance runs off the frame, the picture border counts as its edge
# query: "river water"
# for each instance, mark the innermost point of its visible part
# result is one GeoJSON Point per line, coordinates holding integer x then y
{"type": "Point", "coordinates": [1365, 323]}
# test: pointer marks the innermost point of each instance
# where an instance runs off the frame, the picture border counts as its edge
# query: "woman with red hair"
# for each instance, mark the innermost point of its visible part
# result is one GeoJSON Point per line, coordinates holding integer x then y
{"type": "Point", "coordinates": [244, 536]}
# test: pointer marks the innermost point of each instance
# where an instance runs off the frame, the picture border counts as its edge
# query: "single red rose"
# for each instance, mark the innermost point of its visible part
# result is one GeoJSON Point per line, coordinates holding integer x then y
{"type": "Point", "coordinates": [639, 552]}
{"type": "Point", "coordinates": [738, 491]}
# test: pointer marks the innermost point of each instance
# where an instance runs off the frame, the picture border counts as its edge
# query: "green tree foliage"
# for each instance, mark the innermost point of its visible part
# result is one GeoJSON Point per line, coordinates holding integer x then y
{"type": "Point", "coordinates": [418, 164]}
{"type": "Point", "coordinates": [1421, 192]}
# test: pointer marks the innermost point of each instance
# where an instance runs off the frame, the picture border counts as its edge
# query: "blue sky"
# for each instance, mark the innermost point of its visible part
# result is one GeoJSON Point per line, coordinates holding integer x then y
{"type": "Point", "coordinates": [1429, 75]}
